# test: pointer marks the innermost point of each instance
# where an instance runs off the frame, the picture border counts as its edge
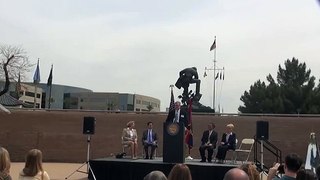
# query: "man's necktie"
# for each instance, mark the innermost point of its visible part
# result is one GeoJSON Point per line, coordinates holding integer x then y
{"type": "Point", "coordinates": [149, 137]}
{"type": "Point", "coordinates": [176, 117]}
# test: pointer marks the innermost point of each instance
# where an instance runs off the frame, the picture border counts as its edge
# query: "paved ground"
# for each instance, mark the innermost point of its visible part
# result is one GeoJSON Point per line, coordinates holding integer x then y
{"type": "Point", "coordinates": [56, 171]}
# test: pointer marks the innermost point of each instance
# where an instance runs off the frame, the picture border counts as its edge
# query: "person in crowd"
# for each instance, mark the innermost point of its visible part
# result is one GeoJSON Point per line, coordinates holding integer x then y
{"type": "Point", "coordinates": [208, 142]}
{"type": "Point", "coordinates": [130, 138]}
{"type": "Point", "coordinates": [180, 172]}
{"type": "Point", "coordinates": [33, 169]}
{"type": "Point", "coordinates": [149, 139]}
{"type": "Point", "coordinates": [292, 165]}
{"type": "Point", "coordinates": [228, 141]}
{"type": "Point", "coordinates": [306, 174]}
{"type": "Point", "coordinates": [251, 171]}
{"type": "Point", "coordinates": [155, 175]}
{"type": "Point", "coordinates": [4, 164]}
{"type": "Point", "coordinates": [236, 174]}
{"type": "Point", "coordinates": [178, 115]}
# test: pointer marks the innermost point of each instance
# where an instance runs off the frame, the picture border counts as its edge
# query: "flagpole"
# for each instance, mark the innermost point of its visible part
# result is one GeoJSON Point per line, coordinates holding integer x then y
{"type": "Point", "coordinates": [35, 96]}
{"type": "Point", "coordinates": [214, 75]}
{"type": "Point", "coordinates": [50, 96]}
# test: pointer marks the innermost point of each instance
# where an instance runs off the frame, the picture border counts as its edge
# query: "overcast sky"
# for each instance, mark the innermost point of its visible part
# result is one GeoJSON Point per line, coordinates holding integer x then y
{"type": "Point", "coordinates": [140, 46]}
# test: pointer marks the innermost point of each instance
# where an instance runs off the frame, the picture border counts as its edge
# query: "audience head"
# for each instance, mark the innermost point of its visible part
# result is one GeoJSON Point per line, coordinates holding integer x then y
{"type": "Point", "coordinates": [292, 163]}
{"type": "Point", "coordinates": [177, 105]}
{"type": "Point", "coordinates": [180, 172]}
{"type": "Point", "coordinates": [251, 171]}
{"type": "Point", "coordinates": [211, 126]}
{"type": "Point", "coordinates": [318, 172]}
{"type": "Point", "coordinates": [305, 174]}
{"type": "Point", "coordinates": [4, 161]}
{"type": "Point", "coordinates": [130, 124]}
{"type": "Point", "coordinates": [230, 127]}
{"type": "Point", "coordinates": [33, 162]}
{"type": "Point", "coordinates": [155, 175]}
{"type": "Point", "coordinates": [150, 125]}
{"type": "Point", "coordinates": [236, 174]}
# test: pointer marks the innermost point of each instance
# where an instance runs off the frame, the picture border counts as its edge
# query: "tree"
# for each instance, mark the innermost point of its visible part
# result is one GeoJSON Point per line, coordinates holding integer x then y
{"type": "Point", "coordinates": [293, 92]}
{"type": "Point", "coordinates": [13, 61]}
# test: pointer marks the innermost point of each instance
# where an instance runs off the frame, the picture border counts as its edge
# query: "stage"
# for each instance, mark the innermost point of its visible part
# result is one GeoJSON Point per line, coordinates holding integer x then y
{"type": "Point", "coordinates": [128, 169]}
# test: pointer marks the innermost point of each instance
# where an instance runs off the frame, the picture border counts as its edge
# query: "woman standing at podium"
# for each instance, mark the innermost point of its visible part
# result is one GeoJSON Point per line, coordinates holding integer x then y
{"type": "Point", "coordinates": [130, 138]}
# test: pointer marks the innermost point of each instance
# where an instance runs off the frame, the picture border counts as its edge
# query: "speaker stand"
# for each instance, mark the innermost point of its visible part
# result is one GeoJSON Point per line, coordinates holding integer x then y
{"type": "Point", "coordinates": [89, 169]}
{"type": "Point", "coordinates": [261, 155]}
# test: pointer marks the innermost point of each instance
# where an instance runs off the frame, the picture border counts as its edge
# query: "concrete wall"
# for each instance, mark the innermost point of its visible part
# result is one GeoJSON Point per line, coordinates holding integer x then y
{"type": "Point", "coordinates": [59, 133]}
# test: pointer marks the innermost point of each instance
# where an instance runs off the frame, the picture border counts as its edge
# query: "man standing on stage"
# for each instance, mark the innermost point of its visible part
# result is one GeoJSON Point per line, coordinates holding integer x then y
{"type": "Point", "coordinates": [178, 115]}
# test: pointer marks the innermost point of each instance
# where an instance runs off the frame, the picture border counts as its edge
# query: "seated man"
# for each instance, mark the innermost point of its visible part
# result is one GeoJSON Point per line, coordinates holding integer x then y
{"type": "Point", "coordinates": [208, 142]}
{"type": "Point", "coordinates": [228, 142]}
{"type": "Point", "coordinates": [149, 139]}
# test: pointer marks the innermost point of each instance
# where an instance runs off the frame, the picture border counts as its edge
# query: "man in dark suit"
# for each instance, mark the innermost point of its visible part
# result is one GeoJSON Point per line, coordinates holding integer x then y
{"type": "Point", "coordinates": [228, 142]}
{"type": "Point", "coordinates": [178, 115]}
{"type": "Point", "coordinates": [208, 142]}
{"type": "Point", "coordinates": [149, 139]}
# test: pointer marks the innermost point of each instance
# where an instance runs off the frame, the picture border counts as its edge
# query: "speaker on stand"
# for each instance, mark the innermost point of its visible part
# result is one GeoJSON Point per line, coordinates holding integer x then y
{"type": "Point", "coordinates": [262, 134]}
{"type": "Point", "coordinates": [89, 124]}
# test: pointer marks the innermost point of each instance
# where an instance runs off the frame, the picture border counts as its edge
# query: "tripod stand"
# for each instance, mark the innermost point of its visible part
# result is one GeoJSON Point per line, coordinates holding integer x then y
{"type": "Point", "coordinates": [89, 169]}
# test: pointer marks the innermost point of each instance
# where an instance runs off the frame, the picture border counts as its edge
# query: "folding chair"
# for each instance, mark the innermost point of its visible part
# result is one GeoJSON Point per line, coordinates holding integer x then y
{"type": "Point", "coordinates": [245, 147]}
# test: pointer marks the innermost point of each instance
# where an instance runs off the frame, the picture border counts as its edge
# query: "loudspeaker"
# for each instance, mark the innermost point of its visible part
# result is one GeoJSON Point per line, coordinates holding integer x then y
{"type": "Point", "coordinates": [262, 130]}
{"type": "Point", "coordinates": [89, 124]}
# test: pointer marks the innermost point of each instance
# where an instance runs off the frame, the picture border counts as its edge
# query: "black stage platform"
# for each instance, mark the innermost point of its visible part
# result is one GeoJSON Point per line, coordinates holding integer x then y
{"type": "Point", "coordinates": [128, 169]}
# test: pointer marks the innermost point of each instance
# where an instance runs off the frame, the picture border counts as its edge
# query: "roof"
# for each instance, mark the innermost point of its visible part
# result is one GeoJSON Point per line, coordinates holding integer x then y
{"type": "Point", "coordinates": [8, 100]}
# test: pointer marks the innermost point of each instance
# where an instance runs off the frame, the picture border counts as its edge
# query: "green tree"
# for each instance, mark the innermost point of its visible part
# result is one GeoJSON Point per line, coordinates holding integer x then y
{"type": "Point", "coordinates": [293, 92]}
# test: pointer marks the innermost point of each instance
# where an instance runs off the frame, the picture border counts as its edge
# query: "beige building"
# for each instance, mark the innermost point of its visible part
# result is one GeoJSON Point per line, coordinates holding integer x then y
{"type": "Point", "coordinates": [27, 95]}
{"type": "Point", "coordinates": [110, 101]}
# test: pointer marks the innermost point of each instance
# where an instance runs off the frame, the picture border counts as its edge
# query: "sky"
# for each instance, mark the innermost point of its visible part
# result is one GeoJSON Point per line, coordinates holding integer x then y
{"type": "Point", "coordinates": [141, 46]}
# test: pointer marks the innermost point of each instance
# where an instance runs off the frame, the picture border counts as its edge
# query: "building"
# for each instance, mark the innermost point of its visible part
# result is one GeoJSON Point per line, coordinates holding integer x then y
{"type": "Point", "coordinates": [111, 101]}
{"type": "Point", "coordinates": [68, 97]}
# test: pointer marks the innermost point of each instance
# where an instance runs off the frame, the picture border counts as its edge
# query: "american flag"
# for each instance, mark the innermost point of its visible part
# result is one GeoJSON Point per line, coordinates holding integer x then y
{"type": "Point", "coordinates": [171, 106]}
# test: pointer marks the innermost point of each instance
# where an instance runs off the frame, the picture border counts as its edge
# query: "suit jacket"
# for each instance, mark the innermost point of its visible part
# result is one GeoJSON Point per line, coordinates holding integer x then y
{"type": "Point", "coordinates": [231, 141]}
{"type": "Point", "coordinates": [126, 135]}
{"type": "Point", "coordinates": [213, 138]}
{"type": "Point", "coordinates": [183, 117]}
{"type": "Point", "coordinates": [145, 136]}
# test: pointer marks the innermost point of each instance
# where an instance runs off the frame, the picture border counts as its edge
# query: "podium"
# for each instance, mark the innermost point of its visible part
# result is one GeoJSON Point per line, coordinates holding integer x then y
{"type": "Point", "coordinates": [173, 142]}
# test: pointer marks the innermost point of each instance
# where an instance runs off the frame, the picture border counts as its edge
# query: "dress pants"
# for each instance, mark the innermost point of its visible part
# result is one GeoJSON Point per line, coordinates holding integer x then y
{"type": "Point", "coordinates": [146, 148]}
{"type": "Point", "coordinates": [222, 151]}
{"type": "Point", "coordinates": [202, 150]}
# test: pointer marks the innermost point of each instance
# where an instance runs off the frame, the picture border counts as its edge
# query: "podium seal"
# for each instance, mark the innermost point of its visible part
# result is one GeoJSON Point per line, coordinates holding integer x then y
{"type": "Point", "coordinates": [173, 129]}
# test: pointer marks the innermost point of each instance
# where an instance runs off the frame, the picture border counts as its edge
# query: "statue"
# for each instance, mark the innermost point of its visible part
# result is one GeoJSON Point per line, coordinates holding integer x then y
{"type": "Point", "coordinates": [312, 159]}
{"type": "Point", "coordinates": [186, 77]}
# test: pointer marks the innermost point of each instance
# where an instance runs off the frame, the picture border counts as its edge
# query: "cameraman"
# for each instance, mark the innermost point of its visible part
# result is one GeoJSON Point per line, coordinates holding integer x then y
{"type": "Point", "coordinates": [292, 165]}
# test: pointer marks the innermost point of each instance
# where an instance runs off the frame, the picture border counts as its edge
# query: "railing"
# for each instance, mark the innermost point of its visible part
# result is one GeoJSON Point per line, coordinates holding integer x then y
{"type": "Point", "coordinates": [271, 148]}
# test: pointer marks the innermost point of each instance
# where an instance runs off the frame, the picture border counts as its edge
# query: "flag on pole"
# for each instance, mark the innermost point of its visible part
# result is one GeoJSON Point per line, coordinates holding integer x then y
{"type": "Point", "coordinates": [49, 83]}
{"type": "Point", "coordinates": [171, 106]}
{"type": "Point", "coordinates": [36, 76]}
{"type": "Point", "coordinates": [217, 76]}
{"type": "Point", "coordinates": [213, 46]}
{"type": "Point", "coordinates": [188, 133]}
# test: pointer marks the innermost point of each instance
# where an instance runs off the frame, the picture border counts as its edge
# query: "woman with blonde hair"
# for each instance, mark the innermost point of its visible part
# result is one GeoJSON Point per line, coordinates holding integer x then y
{"type": "Point", "coordinates": [228, 141]}
{"type": "Point", "coordinates": [4, 164]}
{"type": "Point", "coordinates": [33, 169]}
{"type": "Point", "coordinates": [251, 170]}
{"type": "Point", "coordinates": [130, 138]}
{"type": "Point", "coordinates": [180, 172]}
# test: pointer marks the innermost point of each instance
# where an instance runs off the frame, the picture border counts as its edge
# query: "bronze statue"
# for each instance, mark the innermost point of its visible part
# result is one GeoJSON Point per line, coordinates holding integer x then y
{"type": "Point", "coordinates": [186, 77]}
